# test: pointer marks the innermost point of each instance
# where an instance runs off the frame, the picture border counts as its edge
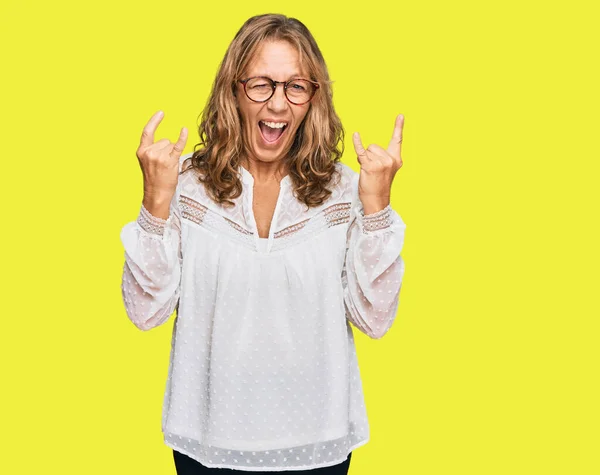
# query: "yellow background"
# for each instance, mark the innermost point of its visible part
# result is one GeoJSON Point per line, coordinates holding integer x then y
{"type": "Point", "coordinates": [491, 366]}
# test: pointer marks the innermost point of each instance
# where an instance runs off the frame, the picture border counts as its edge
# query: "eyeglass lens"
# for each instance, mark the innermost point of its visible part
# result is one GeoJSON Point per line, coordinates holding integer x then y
{"type": "Point", "coordinates": [298, 90]}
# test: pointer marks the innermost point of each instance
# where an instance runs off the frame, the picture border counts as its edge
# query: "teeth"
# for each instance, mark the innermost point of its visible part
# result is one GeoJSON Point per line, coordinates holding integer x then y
{"type": "Point", "coordinates": [275, 125]}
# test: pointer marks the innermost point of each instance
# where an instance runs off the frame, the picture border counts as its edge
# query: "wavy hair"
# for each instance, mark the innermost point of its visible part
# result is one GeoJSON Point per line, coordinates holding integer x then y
{"type": "Point", "coordinates": [319, 140]}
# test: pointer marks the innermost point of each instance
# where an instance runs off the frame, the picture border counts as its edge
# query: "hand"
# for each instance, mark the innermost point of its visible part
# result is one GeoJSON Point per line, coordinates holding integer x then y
{"type": "Point", "coordinates": [378, 168]}
{"type": "Point", "coordinates": [159, 161]}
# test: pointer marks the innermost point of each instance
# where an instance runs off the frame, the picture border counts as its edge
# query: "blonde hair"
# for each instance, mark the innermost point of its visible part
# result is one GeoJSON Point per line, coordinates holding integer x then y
{"type": "Point", "coordinates": [319, 140]}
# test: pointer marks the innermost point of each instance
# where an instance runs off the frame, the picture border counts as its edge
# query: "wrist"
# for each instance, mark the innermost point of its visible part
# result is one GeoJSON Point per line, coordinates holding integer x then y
{"type": "Point", "coordinates": [157, 195]}
{"type": "Point", "coordinates": [157, 204]}
{"type": "Point", "coordinates": [374, 204]}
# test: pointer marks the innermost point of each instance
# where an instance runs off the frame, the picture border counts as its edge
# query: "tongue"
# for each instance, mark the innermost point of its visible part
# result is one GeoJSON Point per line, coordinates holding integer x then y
{"type": "Point", "coordinates": [268, 133]}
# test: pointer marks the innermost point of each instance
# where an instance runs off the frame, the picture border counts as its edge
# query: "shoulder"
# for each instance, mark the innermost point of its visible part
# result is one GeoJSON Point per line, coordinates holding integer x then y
{"type": "Point", "coordinates": [190, 185]}
{"type": "Point", "coordinates": [348, 178]}
{"type": "Point", "coordinates": [342, 184]}
{"type": "Point", "coordinates": [346, 170]}
{"type": "Point", "coordinates": [184, 163]}
{"type": "Point", "coordinates": [187, 184]}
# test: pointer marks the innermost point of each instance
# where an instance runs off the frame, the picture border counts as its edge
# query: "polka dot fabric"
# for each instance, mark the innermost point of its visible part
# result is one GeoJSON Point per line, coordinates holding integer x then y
{"type": "Point", "coordinates": [263, 372]}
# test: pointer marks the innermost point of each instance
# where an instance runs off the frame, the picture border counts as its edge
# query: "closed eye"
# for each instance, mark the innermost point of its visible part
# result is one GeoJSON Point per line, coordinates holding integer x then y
{"type": "Point", "coordinates": [260, 86]}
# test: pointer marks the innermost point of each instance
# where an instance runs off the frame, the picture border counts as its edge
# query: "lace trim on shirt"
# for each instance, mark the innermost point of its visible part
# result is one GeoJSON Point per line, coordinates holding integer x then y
{"type": "Point", "coordinates": [375, 221]}
{"type": "Point", "coordinates": [337, 214]}
{"type": "Point", "coordinates": [237, 227]}
{"type": "Point", "coordinates": [191, 209]}
{"type": "Point", "coordinates": [333, 215]}
{"type": "Point", "coordinates": [151, 223]}
{"type": "Point", "coordinates": [203, 216]}
{"type": "Point", "coordinates": [291, 229]}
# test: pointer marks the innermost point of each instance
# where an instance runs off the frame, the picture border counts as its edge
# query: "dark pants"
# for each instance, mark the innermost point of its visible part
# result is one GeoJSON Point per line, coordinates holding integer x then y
{"type": "Point", "coordinates": [188, 466]}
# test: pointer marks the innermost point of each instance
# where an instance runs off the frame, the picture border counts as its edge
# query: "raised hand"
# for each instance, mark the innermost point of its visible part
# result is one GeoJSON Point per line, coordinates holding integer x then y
{"type": "Point", "coordinates": [160, 166]}
{"type": "Point", "coordinates": [378, 166]}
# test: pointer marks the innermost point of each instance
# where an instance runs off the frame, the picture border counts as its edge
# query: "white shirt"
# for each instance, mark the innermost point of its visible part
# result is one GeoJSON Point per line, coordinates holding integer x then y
{"type": "Point", "coordinates": [263, 373]}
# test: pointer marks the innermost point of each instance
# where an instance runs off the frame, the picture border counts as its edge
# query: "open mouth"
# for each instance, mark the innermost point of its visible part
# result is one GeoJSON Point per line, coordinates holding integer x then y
{"type": "Point", "coordinates": [272, 131]}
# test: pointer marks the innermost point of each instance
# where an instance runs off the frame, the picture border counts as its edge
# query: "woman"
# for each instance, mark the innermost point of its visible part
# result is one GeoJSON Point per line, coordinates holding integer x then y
{"type": "Point", "coordinates": [267, 246]}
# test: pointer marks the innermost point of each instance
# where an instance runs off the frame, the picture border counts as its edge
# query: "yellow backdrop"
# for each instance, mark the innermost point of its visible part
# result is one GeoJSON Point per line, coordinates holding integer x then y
{"type": "Point", "coordinates": [491, 366]}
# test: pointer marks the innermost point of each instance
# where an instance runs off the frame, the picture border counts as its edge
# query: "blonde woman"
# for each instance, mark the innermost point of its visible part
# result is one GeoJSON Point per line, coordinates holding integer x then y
{"type": "Point", "coordinates": [268, 247]}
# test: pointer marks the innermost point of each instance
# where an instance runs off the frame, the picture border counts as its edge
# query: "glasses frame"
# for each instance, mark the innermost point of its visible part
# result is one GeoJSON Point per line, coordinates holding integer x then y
{"type": "Point", "coordinates": [285, 86]}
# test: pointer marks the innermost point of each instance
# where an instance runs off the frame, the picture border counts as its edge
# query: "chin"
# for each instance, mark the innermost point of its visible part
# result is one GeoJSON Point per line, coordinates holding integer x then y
{"type": "Point", "coordinates": [269, 155]}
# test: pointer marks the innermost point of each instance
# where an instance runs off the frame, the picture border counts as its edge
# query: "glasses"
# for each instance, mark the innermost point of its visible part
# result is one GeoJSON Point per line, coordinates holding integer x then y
{"type": "Point", "coordinates": [297, 91]}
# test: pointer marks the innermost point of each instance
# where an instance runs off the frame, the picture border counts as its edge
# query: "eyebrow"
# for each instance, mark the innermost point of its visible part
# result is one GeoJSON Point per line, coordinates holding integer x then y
{"type": "Point", "coordinates": [295, 75]}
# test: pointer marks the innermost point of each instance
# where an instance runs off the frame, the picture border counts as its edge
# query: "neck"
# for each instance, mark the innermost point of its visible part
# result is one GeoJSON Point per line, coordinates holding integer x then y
{"type": "Point", "coordinates": [265, 173]}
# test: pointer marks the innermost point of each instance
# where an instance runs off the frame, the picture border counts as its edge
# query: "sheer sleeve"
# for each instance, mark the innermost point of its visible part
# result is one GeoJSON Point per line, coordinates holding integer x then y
{"type": "Point", "coordinates": [152, 270]}
{"type": "Point", "coordinates": [373, 269]}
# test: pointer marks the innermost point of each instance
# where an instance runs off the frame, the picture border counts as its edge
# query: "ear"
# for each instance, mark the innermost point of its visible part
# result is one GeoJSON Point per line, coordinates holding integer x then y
{"type": "Point", "coordinates": [235, 99]}
{"type": "Point", "coordinates": [235, 96]}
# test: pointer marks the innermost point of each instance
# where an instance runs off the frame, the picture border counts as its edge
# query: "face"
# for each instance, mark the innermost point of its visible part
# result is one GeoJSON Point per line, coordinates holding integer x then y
{"type": "Point", "coordinates": [261, 122]}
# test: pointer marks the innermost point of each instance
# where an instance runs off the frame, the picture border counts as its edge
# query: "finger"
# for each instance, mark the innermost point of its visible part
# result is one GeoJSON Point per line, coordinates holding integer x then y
{"type": "Point", "coordinates": [180, 144]}
{"type": "Point", "coordinates": [149, 129]}
{"type": "Point", "coordinates": [395, 145]}
{"type": "Point", "coordinates": [377, 150]}
{"type": "Point", "coordinates": [159, 145]}
{"type": "Point", "coordinates": [358, 146]}
{"type": "Point", "coordinates": [162, 145]}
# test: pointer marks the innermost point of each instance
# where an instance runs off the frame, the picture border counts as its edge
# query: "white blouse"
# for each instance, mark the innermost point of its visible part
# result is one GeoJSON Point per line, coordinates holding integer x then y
{"type": "Point", "coordinates": [263, 373]}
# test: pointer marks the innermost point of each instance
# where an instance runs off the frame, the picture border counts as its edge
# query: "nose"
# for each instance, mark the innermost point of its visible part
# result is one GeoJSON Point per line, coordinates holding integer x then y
{"type": "Point", "coordinates": [278, 101]}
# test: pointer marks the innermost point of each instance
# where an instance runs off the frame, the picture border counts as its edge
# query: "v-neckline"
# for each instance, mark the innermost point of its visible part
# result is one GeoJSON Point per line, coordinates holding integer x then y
{"type": "Point", "coordinates": [248, 184]}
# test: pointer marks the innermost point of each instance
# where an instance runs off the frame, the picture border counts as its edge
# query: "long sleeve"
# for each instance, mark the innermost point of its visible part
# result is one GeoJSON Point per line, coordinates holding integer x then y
{"type": "Point", "coordinates": [152, 270]}
{"type": "Point", "coordinates": [373, 269]}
